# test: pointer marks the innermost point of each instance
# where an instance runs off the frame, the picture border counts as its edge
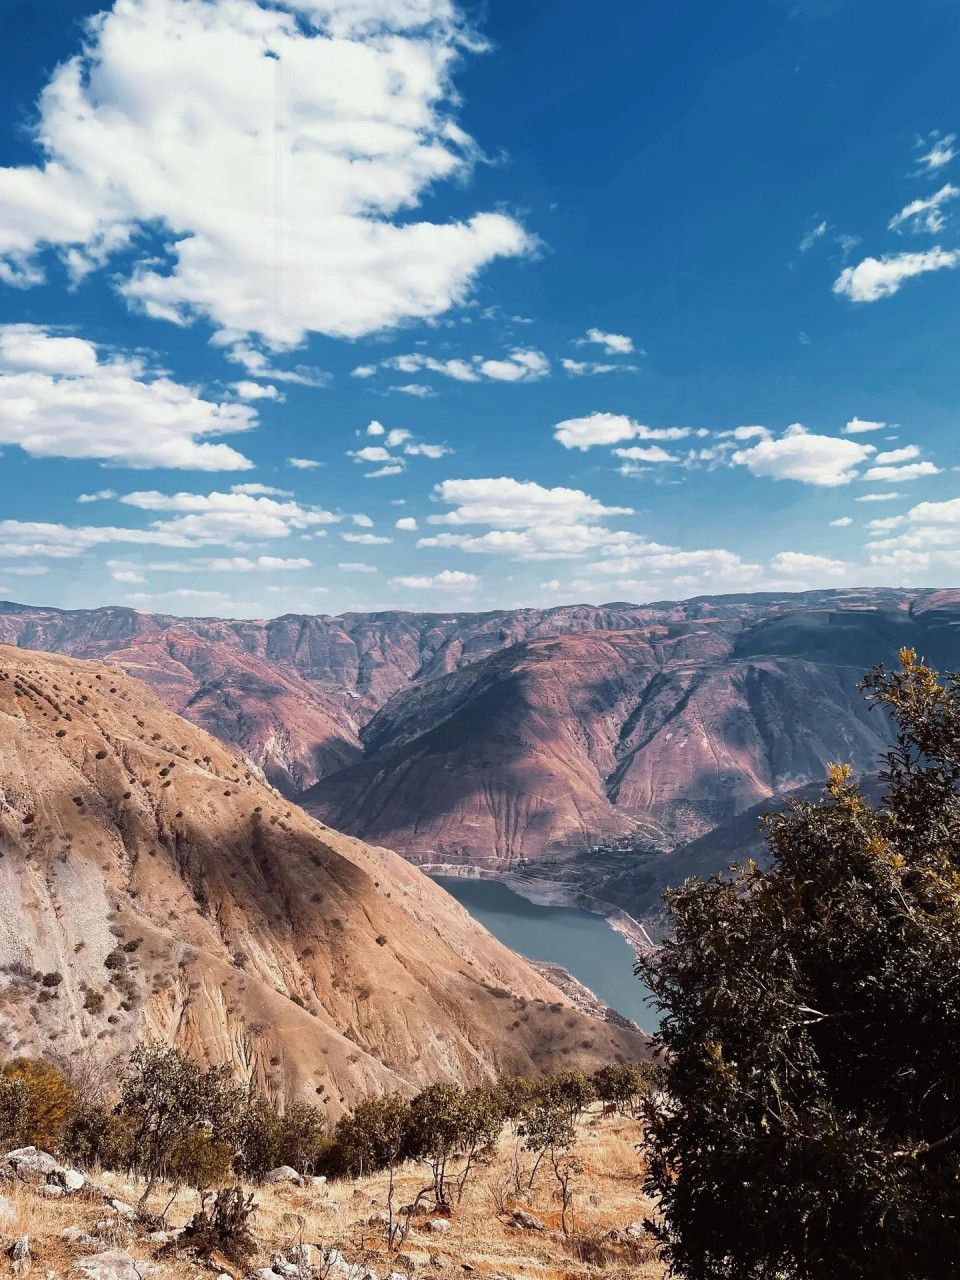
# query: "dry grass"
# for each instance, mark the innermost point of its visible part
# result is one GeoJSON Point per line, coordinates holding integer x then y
{"type": "Point", "coordinates": [608, 1197]}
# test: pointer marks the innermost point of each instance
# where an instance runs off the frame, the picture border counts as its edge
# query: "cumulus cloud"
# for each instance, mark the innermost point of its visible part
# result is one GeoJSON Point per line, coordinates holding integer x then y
{"type": "Point", "coordinates": [645, 453]}
{"type": "Point", "coordinates": [284, 147]}
{"type": "Point", "coordinates": [519, 365]}
{"type": "Point", "coordinates": [910, 471]}
{"type": "Point", "coordinates": [255, 390]}
{"type": "Point", "coordinates": [407, 523]}
{"type": "Point", "coordinates": [610, 428]}
{"type": "Point", "coordinates": [614, 344]}
{"type": "Point", "coordinates": [101, 495]}
{"type": "Point", "coordinates": [799, 564]}
{"type": "Point", "coordinates": [925, 214]}
{"type": "Point", "coordinates": [355, 566]}
{"type": "Point", "coordinates": [63, 397]}
{"type": "Point", "coordinates": [233, 564]}
{"type": "Point", "coordinates": [366, 539]}
{"type": "Point", "coordinates": [201, 519]}
{"type": "Point", "coordinates": [590, 368]}
{"type": "Point", "coordinates": [842, 522]}
{"type": "Point", "coordinates": [445, 580]}
{"type": "Point", "coordinates": [875, 278]}
{"type": "Point", "coordinates": [303, 464]}
{"type": "Point", "coordinates": [525, 520]}
{"type": "Point", "coordinates": [801, 455]}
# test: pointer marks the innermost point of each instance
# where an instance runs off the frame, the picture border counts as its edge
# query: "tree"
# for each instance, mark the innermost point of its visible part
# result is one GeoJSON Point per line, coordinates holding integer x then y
{"type": "Point", "coordinates": [167, 1095]}
{"type": "Point", "coordinates": [623, 1085]}
{"type": "Point", "coordinates": [810, 1121]}
{"type": "Point", "coordinates": [438, 1126]}
{"type": "Point", "coordinates": [377, 1135]}
{"type": "Point", "coordinates": [50, 1101]}
{"type": "Point", "coordinates": [482, 1122]}
{"type": "Point", "coordinates": [547, 1130]}
{"type": "Point", "coordinates": [14, 1111]}
{"type": "Point", "coordinates": [570, 1090]}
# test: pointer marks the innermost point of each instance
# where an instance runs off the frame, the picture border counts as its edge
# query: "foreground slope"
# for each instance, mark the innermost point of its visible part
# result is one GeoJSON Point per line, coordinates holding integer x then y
{"type": "Point", "coordinates": [150, 883]}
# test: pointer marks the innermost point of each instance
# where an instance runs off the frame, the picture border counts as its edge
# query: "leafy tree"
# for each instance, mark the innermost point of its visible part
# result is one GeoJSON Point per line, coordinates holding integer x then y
{"type": "Point", "coordinates": [547, 1130]}
{"type": "Point", "coordinates": [481, 1125]}
{"type": "Point", "coordinates": [166, 1095]}
{"type": "Point", "coordinates": [377, 1135]}
{"type": "Point", "coordinates": [98, 1136]}
{"type": "Point", "coordinates": [50, 1101]}
{"type": "Point", "coordinates": [623, 1085]}
{"type": "Point", "coordinates": [438, 1123]}
{"type": "Point", "coordinates": [810, 1128]}
{"type": "Point", "coordinates": [514, 1094]}
{"type": "Point", "coordinates": [571, 1090]}
{"type": "Point", "coordinates": [200, 1160]}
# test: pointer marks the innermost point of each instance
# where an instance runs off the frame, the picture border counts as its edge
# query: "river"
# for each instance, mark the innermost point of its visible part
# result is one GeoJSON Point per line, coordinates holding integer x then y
{"type": "Point", "coordinates": [583, 943]}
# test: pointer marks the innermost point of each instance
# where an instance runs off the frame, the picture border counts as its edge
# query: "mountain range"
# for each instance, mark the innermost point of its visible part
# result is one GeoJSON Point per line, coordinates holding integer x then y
{"type": "Point", "coordinates": [495, 741]}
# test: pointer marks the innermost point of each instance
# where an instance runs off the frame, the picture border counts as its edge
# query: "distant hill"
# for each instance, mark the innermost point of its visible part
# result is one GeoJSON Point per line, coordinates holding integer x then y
{"type": "Point", "coordinates": [151, 884]}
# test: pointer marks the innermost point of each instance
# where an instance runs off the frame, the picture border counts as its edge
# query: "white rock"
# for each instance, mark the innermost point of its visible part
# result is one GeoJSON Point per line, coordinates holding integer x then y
{"type": "Point", "coordinates": [437, 1226]}
{"type": "Point", "coordinates": [635, 1231]}
{"type": "Point", "coordinates": [114, 1264]}
{"type": "Point", "coordinates": [526, 1221]}
{"type": "Point", "coordinates": [319, 1181]}
{"type": "Point", "coordinates": [69, 1179]}
{"type": "Point", "coordinates": [32, 1164]}
{"type": "Point", "coordinates": [123, 1210]}
{"type": "Point", "coordinates": [52, 1192]}
{"type": "Point", "coordinates": [284, 1173]}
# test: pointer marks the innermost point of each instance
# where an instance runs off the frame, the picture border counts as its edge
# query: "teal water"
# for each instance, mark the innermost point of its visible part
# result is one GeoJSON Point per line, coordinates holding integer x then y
{"type": "Point", "coordinates": [583, 943]}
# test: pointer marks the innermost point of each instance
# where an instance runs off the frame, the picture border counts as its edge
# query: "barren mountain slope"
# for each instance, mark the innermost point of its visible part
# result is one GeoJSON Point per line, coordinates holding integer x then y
{"type": "Point", "coordinates": [664, 732]}
{"type": "Point", "coordinates": [294, 693]}
{"type": "Point", "coordinates": [150, 884]}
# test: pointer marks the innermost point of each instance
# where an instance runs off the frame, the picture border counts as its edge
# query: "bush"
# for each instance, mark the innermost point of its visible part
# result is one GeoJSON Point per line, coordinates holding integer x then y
{"type": "Point", "coordinates": [222, 1225]}
{"type": "Point", "coordinates": [98, 1136]}
{"type": "Point", "coordinates": [809, 1124]}
{"type": "Point", "coordinates": [624, 1085]}
{"type": "Point", "coordinates": [50, 1101]}
{"type": "Point", "coordinates": [14, 1111]}
{"type": "Point", "coordinates": [200, 1160]}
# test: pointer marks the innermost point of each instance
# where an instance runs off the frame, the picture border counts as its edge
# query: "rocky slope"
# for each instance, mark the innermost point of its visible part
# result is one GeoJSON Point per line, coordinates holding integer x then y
{"type": "Point", "coordinates": [487, 739]}
{"type": "Point", "coordinates": [152, 884]}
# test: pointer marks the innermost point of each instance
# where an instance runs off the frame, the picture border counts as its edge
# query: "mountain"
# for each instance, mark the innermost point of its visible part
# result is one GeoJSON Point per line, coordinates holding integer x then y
{"type": "Point", "coordinates": [492, 739]}
{"type": "Point", "coordinates": [152, 884]}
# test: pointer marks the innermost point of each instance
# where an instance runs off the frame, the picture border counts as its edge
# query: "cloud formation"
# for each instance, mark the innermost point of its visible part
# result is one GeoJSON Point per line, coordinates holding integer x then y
{"type": "Point", "coordinates": [280, 151]}
{"type": "Point", "coordinates": [876, 278]}
{"type": "Point", "coordinates": [804, 456]}
{"type": "Point", "coordinates": [63, 397]}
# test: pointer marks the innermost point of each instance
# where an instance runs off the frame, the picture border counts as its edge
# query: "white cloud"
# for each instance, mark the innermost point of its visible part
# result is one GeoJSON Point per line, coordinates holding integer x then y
{"type": "Point", "coordinates": [407, 523]}
{"type": "Point", "coordinates": [589, 368]}
{"type": "Point", "coordinates": [936, 512]}
{"type": "Point", "coordinates": [363, 371]}
{"type": "Point", "coordinates": [446, 580]}
{"type": "Point", "coordinates": [127, 575]}
{"type": "Point", "coordinates": [370, 453]}
{"type": "Point", "coordinates": [101, 495]}
{"type": "Point", "coordinates": [811, 238]}
{"type": "Point", "coordinates": [842, 522]}
{"type": "Point", "coordinates": [255, 390]}
{"type": "Point", "coordinates": [414, 389]}
{"type": "Point", "coordinates": [610, 428]}
{"type": "Point", "coordinates": [614, 344]}
{"type": "Point", "coordinates": [858, 426]}
{"type": "Point", "coordinates": [355, 566]}
{"type": "Point", "coordinates": [803, 456]}
{"type": "Point", "coordinates": [228, 517]}
{"type": "Point", "coordinates": [350, 106]}
{"type": "Point", "coordinates": [645, 453]}
{"type": "Point", "coordinates": [745, 433]}
{"type": "Point", "coordinates": [876, 497]}
{"type": "Point", "coordinates": [259, 364]}
{"type": "Point", "coordinates": [925, 215]}
{"type": "Point", "coordinates": [875, 278]}
{"type": "Point", "coordinates": [260, 491]}
{"type": "Point", "coordinates": [941, 152]}
{"type": "Point", "coordinates": [60, 398]}
{"type": "Point", "coordinates": [911, 471]}
{"type": "Point", "coordinates": [716, 563]}
{"type": "Point", "coordinates": [391, 469]}
{"type": "Point", "coordinates": [362, 521]}
{"type": "Point", "coordinates": [798, 563]}
{"type": "Point", "coordinates": [397, 437]}
{"type": "Point", "coordinates": [898, 455]}
{"type": "Point", "coordinates": [375, 428]}
{"type": "Point", "coordinates": [303, 464]}
{"type": "Point", "coordinates": [233, 564]}
{"type": "Point", "coordinates": [366, 539]}
{"type": "Point", "coordinates": [519, 365]}
{"type": "Point", "coordinates": [427, 450]}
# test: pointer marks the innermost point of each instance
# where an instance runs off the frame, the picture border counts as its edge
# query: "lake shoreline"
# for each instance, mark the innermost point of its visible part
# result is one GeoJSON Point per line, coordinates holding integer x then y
{"type": "Point", "coordinates": [551, 893]}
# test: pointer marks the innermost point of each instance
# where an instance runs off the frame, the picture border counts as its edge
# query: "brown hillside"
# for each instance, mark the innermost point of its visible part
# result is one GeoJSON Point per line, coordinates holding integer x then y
{"type": "Point", "coordinates": [152, 885]}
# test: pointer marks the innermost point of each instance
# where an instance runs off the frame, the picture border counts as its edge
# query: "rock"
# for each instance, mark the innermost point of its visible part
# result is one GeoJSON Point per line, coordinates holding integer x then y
{"type": "Point", "coordinates": [68, 1179]}
{"type": "Point", "coordinates": [635, 1230]}
{"type": "Point", "coordinates": [8, 1213]}
{"type": "Point", "coordinates": [303, 1256]}
{"type": "Point", "coordinates": [162, 1237]}
{"type": "Point", "coordinates": [19, 1255]}
{"type": "Point", "coordinates": [266, 1273]}
{"type": "Point", "coordinates": [52, 1192]}
{"type": "Point", "coordinates": [114, 1264]}
{"type": "Point", "coordinates": [526, 1221]}
{"type": "Point", "coordinates": [31, 1164]}
{"type": "Point", "coordinates": [319, 1181]}
{"type": "Point", "coordinates": [438, 1226]}
{"type": "Point", "coordinates": [284, 1173]}
{"type": "Point", "coordinates": [378, 1219]}
{"type": "Point", "coordinates": [328, 1206]}
{"type": "Point", "coordinates": [123, 1210]}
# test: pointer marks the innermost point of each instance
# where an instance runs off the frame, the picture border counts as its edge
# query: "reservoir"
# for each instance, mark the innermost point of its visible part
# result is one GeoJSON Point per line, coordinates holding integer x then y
{"type": "Point", "coordinates": [583, 943]}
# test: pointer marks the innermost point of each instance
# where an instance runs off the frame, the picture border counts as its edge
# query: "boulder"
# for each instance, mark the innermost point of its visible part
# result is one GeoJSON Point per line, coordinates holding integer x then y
{"type": "Point", "coordinates": [52, 1192]}
{"type": "Point", "coordinates": [284, 1173]}
{"type": "Point", "coordinates": [635, 1230]}
{"type": "Point", "coordinates": [437, 1226]}
{"type": "Point", "coordinates": [526, 1221]}
{"type": "Point", "coordinates": [19, 1255]}
{"type": "Point", "coordinates": [31, 1164]}
{"type": "Point", "coordinates": [303, 1256]}
{"type": "Point", "coordinates": [319, 1181]}
{"type": "Point", "coordinates": [68, 1179]}
{"type": "Point", "coordinates": [114, 1264]}
{"type": "Point", "coordinates": [123, 1210]}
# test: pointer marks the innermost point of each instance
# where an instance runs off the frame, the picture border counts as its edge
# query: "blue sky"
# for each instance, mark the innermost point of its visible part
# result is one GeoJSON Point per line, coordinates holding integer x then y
{"type": "Point", "coordinates": [543, 305]}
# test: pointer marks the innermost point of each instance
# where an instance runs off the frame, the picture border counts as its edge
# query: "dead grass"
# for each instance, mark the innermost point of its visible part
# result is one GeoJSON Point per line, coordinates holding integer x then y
{"type": "Point", "coordinates": [608, 1197]}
